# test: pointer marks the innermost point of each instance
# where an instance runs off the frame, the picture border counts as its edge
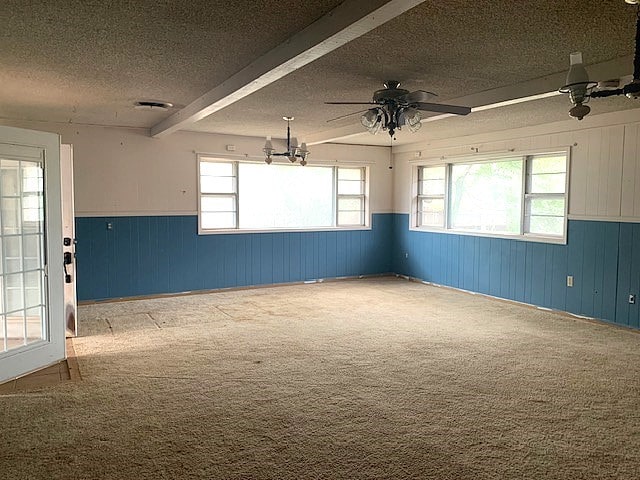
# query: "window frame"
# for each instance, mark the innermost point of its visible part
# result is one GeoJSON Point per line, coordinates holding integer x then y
{"type": "Point", "coordinates": [444, 197]}
{"type": "Point", "coordinates": [216, 158]}
{"type": "Point", "coordinates": [361, 196]}
{"type": "Point", "coordinates": [234, 194]}
{"type": "Point", "coordinates": [525, 157]}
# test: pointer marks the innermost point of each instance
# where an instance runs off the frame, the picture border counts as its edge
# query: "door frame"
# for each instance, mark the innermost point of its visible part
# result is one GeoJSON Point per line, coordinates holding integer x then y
{"type": "Point", "coordinates": [39, 355]}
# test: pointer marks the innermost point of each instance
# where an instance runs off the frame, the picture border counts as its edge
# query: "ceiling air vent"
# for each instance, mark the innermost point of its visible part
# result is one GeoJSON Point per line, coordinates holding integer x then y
{"type": "Point", "coordinates": [152, 105]}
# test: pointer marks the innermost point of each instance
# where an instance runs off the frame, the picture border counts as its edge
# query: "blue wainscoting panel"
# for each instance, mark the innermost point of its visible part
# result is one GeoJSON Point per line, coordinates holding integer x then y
{"type": "Point", "coordinates": [629, 275]}
{"type": "Point", "coordinates": [164, 254]}
{"type": "Point", "coordinates": [599, 255]}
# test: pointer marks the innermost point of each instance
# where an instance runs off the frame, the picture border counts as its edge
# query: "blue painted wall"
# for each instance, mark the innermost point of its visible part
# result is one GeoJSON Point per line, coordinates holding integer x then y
{"type": "Point", "coordinates": [164, 254]}
{"type": "Point", "coordinates": [600, 256]}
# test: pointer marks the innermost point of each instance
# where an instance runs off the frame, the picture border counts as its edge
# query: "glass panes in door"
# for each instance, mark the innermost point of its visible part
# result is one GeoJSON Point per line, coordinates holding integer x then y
{"type": "Point", "coordinates": [22, 311]}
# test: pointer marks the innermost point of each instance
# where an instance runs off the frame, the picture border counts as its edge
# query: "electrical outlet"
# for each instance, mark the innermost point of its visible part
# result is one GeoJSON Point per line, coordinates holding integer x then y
{"type": "Point", "coordinates": [569, 280]}
{"type": "Point", "coordinates": [406, 255]}
{"type": "Point", "coordinates": [632, 298]}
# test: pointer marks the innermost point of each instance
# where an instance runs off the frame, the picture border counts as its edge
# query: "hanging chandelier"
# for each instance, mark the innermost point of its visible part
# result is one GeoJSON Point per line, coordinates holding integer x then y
{"type": "Point", "coordinates": [293, 153]}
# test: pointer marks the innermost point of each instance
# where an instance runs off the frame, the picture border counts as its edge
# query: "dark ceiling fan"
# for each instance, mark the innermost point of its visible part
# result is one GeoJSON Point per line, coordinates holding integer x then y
{"type": "Point", "coordinates": [396, 107]}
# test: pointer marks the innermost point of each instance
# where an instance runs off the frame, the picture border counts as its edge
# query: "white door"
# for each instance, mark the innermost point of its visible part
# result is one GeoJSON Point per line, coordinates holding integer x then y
{"type": "Point", "coordinates": [32, 331]}
{"type": "Point", "coordinates": [68, 240]}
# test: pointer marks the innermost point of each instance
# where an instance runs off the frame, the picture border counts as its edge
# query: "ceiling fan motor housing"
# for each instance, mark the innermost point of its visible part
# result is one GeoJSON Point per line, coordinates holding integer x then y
{"type": "Point", "coordinates": [390, 93]}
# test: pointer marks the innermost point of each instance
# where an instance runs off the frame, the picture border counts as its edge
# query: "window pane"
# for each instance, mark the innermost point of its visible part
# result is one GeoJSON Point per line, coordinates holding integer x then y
{"type": "Point", "coordinates": [14, 293]}
{"type": "Point", "coordinates": [548, 164]}
{"type": "Point", "coordinates": [350, 174]}
{"type": "Point", "coordinates": [33, 291]}
{"type": "Point", "coordinates": [218, 220]}
{"type": "Point", "coordinates": [432, 187]}
{"type": "Point", "coordinates": [350, 187]}
{"type": "Point", "coordinates": [11, 216]}
{"type": "Point", "coordinates": [12, 254]}
{"type": "Point", "coordinates": [548, 183]}
{"type": "Point", "coordinates": [432, 181]}
{"type": "Point", "coordinates": [217, 184]}
{"type": "Point", "coordinates": [281, 196]}
{"type": "Point", "coordinates": [32, 179]}
{"type": "Point", "coordinates": [487, 197]}
{"type": "Point", "coordinates": [10, 174]}
{"type": "Point", "coordinates": [350, 218]}
{"type": "Point", "coordinates": [546, 225]}
{"type": "Point", "coordinates": [431, 212]}
{"type": "Point", "coordinates": [433, 173]}
{"type": "Point", "coordinates": [218, 204]}
{"type": "Point", "coordinates": [15, 329]}
{"type": "Point", "coordinates": [32, 251]}
{"type": "Point", "coordinates": [34, 324]}
{"type": "Point", "coordinates": [350, 203]}
{"type": "Point", "coordinates": [546, 206]}
{"type": "Point", "coordinates": [216, 169]}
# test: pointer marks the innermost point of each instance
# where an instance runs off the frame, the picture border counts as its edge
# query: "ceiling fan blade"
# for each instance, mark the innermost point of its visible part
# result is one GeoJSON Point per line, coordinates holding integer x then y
{"type": "Point", "coordinates": [350, 103]}
{"type": "Point", "coordinates": [347, 115]}
{"type": "Point", "coordinates": [442, 108]}
{"type": "Point", "coordinates": [418, 96]}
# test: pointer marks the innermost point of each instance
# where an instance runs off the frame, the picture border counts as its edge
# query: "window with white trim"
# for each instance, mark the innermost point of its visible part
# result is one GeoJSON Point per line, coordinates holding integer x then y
{"type": "Point", "coordinates": [254, 196]}
{"type": "Point", "coordinates": [431, 196]}
{"type": "Point", "coordinates": [515, 196]}
{"type": "Point", "coordinates": [351, 196]}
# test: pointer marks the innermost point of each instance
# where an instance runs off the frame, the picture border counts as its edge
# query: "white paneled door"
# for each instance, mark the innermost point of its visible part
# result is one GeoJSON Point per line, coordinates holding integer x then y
{"type": "Point", "coordinates": [32, 330]}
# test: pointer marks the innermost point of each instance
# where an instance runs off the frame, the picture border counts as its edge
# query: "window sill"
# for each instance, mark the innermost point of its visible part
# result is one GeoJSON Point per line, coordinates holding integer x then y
{"type": "Point", "coordinates": [524, 238]}
{"type": "Point", "coordinates": [235, 231]}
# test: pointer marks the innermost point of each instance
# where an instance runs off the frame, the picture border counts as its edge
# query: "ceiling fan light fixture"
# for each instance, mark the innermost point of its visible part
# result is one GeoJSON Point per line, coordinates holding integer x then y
{"type": "Point", "coordinates": [578, 86]}
{"type": "Point", "coordinates": [579, 111]}
{"type": "Point", "coordinates": [577, 79]}
{"type": "Point", "coordinates": [370, 118]}
{"type": "Point", "coordinates": [412, 118]}
{"type": "Point", "coordinates": [413, 128]}
{"type": "Point", "coordinates": [580, 89]}
{"type": "Point", "coordinates": [375, 128]}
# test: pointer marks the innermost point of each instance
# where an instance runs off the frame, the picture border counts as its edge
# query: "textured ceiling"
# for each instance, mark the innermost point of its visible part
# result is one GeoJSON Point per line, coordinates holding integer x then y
{"type": "Point", "coordinates": [87, 61]}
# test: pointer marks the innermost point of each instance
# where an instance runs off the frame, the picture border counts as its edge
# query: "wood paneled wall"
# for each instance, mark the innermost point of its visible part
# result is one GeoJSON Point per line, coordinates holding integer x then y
{"type": "Point", "coordinates": [146, 255]}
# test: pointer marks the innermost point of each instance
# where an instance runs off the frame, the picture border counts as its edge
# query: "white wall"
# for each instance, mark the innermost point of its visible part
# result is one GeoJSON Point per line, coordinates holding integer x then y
{"type": "Point", "coordinates": [604, 181]}
{"type": "Point", "coordinates": [123, 171]}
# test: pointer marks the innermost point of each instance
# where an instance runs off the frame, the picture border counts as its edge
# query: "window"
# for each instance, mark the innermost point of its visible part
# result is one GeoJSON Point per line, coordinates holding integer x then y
{"type": "Point", "coordinates": [431, 189]}
{"type": "Point", "coordinates": [218, 195]}
{"type": "Point", "coordinates": [351, 199]}
{"type": "Point", "coordinates": [253, 196]}
{"type": "Point", "coordinates": [510, 196]}
{"type": "Point", "coordinates": [487, 196]}
{"type": "Point", "coordinates": [545, 194]}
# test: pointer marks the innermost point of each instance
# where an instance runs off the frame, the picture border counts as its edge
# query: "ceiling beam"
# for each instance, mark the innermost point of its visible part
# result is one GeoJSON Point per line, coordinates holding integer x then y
{"type": "Point", "coordinates": [346, 22]}
{"type": "Point", "coordinates": [527, 91]}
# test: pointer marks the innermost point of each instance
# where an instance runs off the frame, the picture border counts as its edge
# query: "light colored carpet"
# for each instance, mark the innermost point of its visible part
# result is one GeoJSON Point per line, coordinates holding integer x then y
{"type": "Point", "coordinates": [375, 379]}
